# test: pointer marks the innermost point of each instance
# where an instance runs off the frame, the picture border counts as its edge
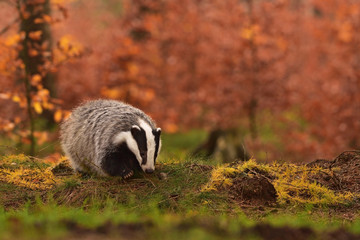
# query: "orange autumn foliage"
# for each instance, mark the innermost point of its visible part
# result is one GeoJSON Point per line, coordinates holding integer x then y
{"type": "Point", "coordinates": [210, 64]}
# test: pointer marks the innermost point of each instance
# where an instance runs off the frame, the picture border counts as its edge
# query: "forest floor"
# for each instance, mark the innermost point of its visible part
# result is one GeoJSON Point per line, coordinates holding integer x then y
{"type": "Point", "coordinates": [188, 199]}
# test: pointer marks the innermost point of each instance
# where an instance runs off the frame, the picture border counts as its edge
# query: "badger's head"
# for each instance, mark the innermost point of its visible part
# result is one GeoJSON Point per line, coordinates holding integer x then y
{"type": "Point", "coordinates": [144, 142]}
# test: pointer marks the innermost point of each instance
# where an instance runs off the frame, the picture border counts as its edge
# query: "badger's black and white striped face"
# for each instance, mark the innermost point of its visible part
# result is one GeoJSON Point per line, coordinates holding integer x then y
{"type": "Point", "coordinates": [144, 142]}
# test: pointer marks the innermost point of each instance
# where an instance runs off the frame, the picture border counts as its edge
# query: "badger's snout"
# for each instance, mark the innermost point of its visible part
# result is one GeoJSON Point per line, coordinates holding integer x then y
{"type": "Point", "coordinates": [149, 171]}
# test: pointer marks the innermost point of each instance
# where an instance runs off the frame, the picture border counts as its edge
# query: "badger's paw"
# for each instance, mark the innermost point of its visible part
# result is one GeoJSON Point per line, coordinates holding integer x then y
{"type": "Point", "coordinates": [127, 174]}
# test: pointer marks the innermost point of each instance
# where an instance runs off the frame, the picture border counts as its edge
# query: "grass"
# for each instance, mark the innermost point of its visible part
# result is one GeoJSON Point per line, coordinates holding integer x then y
{"type": "Point", "coordinates": [53, 221]}
{"type": "Point", "coordinates": [178, 146]}
{"type": "Point", "coordinates": [78, 203]}
{"type": "Point", "coordinates": [148, 207]}
{"type": "Point", "coordinates": [56, 220]}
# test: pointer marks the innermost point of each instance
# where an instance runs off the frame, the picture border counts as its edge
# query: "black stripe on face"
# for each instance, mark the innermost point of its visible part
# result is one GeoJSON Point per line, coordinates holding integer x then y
{"type": "Point", "coordinates": [140, 138]}
{"type": "Point", "coordinates": [120, 161]}
{"type": "Point", "coordinates": [157, 133]}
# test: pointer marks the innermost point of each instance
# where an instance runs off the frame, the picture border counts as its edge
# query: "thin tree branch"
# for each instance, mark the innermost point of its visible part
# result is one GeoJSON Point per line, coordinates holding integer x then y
{"type": "Point", "coordinates": [5, 29]}
{"type": "Point", "coordinates": [8, 2]}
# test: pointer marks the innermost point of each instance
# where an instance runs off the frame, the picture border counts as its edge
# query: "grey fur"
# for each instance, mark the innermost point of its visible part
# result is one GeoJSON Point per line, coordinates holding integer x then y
{"type": "Point", "coordinates": [89, 132]}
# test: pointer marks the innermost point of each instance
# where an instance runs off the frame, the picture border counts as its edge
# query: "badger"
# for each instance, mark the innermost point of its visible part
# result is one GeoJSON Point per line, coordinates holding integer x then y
{"type": "Point", "coordinates": [110, 138]}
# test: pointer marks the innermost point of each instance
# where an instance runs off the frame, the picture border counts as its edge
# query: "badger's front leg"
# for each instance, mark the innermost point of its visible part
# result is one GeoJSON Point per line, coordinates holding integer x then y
{"type": "Point", "coordinates": [117, 167]}
{"type": "Point", "coordinates": [127, 173]}
{"type": "Point", "coordinates": [114, 164]}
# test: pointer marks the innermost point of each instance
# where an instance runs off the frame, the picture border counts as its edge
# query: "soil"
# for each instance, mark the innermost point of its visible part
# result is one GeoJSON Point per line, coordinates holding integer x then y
{"type": "Point", "coordinates": [345, 172]}
{"type": "Point", "coordinates": [256, 189]}
{"type": "Point", "coordinates": [340, 175]}
{"type": "Point", "coordinates": [253, 190]}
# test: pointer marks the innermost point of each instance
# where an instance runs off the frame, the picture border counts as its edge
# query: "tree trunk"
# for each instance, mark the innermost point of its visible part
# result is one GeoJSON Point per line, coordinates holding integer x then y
{"type": "Point", "coordinates": [224, 145]}
{"type": "Point", "coordinates": [252, 118]}
{"type": "Point", "coordinates": [37, 43]}
{"type": "Point", "coordinates": [35, 53]}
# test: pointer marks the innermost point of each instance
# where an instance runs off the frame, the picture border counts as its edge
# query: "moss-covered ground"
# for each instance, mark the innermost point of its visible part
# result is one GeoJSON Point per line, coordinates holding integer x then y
{"type": "Point", "coordinates": [187, 198]}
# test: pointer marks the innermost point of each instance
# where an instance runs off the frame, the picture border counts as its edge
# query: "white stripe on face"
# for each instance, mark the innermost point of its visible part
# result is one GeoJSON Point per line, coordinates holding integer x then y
{"type": "Point", "coordinates": [130, 142]}
{"type": "Point", "coordinates": [160, 145]}
{"type": "Point", "coordinates": [150, 141]}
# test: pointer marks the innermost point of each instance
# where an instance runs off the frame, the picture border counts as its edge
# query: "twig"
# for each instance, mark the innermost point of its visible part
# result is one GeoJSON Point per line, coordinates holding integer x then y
{"type": "Point", "coordinates": [8, 2]}
{"type": "Point", "coordinates": [50, 145]}
{"type": "Point", "coordinates": [147, 179]}
{"type": "Point", "coordinates": [5, 29]}
{"type": "Point", "coordinates": [256, 173]}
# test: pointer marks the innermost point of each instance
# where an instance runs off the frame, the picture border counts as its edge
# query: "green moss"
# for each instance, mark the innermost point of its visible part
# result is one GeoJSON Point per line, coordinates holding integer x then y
{"type": "Point", "coordinates": [292, 182]}
{"type": "Point", "coordinates": [21, 160]}
{"type": "Point", "coordinates": [174, 208]}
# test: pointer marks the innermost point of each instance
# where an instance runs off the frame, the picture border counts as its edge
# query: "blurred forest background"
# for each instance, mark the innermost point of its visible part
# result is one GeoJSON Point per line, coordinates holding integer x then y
{"type": "Point", "coordinates": [279, 79]}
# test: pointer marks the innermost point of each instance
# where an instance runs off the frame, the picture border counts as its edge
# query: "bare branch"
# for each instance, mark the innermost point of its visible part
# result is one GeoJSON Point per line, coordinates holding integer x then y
{"type": "Point", "coordinates": [11, 3]}
{"type": "Point", "coordinates": [5, 29]}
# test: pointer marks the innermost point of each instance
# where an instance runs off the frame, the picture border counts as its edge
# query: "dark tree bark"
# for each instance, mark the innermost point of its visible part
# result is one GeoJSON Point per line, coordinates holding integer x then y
{"type": "Point", "coordinates": [226, 145]}
{"type": "Point", "coordinates": [35, 52]}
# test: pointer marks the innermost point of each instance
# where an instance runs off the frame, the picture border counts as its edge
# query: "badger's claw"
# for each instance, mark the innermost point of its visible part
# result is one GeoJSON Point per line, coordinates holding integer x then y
{"type": "Point", "coordinates": [128, 175]}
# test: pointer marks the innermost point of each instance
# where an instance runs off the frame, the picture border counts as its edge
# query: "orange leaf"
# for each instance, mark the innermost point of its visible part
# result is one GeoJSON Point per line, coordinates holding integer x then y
{"type": "Point", "coordinates": [37, 107]}
{"type": "Point", "coordinates": [47, 18]}
{"type": "Point", "coordinates": [38, 20]}
{"type": "Point", "coordinates": [16, 98]}
{"type": "Point", "coordinates": [35, 35]}
{"type": "Point", "coordinates": [35, 79]}
{"type": "Point", "coordinates": [58, 115]}
{"type": "Point", "coordinates": [33, 53]}
{"type": "Point", "coordinates": [48, 105]}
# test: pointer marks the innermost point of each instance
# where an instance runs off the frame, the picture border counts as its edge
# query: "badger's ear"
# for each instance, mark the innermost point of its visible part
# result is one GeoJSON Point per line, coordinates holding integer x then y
{"type": "Point", "coordinates": [157, 132]}
{"type": "Point", "coordinates": [135, 130]}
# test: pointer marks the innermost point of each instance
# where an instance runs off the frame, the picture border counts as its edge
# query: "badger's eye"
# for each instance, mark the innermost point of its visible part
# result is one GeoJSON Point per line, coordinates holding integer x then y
{"type": "Point", "coordinates": [143, 154]}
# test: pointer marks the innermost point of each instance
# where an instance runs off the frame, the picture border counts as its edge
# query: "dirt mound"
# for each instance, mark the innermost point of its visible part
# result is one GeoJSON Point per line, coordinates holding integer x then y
{"type": "Point", "coordinates": [320, 182]}
{"type": "Point", "coordinates": [344, 172]}
{"type": "Point", "coordinates": [256, 186]}
{"type": "Point", "coordinates": [254, 190]}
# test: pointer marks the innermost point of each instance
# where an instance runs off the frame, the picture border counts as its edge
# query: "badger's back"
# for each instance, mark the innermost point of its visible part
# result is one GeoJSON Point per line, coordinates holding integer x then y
{"type": "Point", "coordinates": [88, 134]}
